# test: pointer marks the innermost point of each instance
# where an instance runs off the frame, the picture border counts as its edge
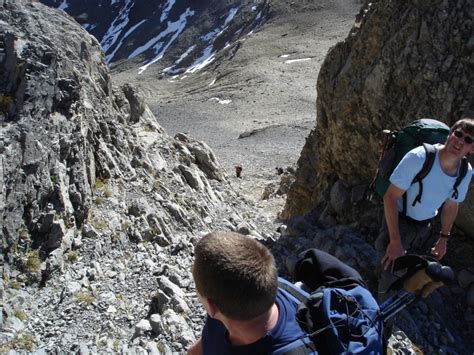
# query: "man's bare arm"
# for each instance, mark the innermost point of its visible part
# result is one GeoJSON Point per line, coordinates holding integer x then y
{"type": "Point", "coordinates": [449, 213]}
{"type": "Point", "coordinates": [395, 248]}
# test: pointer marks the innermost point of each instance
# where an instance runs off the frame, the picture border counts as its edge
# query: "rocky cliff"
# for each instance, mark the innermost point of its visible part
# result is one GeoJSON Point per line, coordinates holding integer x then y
{"type": "Point", "coordinates": [97, 201]}
{"type": "Point", "coordinates": [403, 60]}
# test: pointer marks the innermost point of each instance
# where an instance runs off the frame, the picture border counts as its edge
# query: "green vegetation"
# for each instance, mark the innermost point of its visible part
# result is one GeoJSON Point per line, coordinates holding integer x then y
{"type": "Point", "coordinates": [125, 226]}
{"type": "Point", "coordinates": [99, 200]}
{"type": "Point", "coordinates": [14, 284]}
{"type": "Point", "coordinates": [72, 256]}
{"type": "Point", "coordinates": [99, 224]}
{"type": "Point", "coordinates": [99, 184]}
{"type": "Point", "coordinates": [22, 342]}
{"type": "Point", "coordinates": [20, 315]}
{"type": "Point", "coordinates": [33, 261]}
{"type": "Point", "coordinates": [116, 345]}
{"type": "Point", "coordinates": [23, 233]}
{"type": "Point", "coordinates": [83, 297]}
{"type": "Point", "coordinates": [5, 103]}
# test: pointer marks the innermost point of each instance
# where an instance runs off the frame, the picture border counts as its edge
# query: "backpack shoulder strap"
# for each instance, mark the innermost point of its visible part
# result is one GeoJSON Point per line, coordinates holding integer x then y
{"type": "Point", "coordinates": [297, 293]}
{"type": "Point", "coordinates": [430, 152]}
{"type": "Point", "coordinates": [302, 346]}
{"type": "Point", "coordinates": [462, 173]}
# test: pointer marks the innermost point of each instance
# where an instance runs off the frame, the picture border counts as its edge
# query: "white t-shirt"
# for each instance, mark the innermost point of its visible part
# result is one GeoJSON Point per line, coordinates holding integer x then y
{"type": "Point", "coordinates": [437, 185]}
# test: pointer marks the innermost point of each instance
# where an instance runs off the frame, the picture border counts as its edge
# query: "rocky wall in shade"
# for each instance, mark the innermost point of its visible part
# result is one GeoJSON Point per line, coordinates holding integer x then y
{"type": "Point", "coordinates": [403, 60]}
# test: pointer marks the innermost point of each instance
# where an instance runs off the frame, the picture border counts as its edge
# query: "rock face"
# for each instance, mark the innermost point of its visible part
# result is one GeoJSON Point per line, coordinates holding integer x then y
{"type": "Point", "coordinates": [56, 95]}
{"type": "Point", "coordinates": [96, 199]}
{"type": "Point", "coordinates": [403, 60]}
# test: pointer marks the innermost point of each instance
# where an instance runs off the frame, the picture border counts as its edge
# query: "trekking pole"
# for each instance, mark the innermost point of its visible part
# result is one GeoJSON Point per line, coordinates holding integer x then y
{"type": "Point", "coordinates": [403, 298]}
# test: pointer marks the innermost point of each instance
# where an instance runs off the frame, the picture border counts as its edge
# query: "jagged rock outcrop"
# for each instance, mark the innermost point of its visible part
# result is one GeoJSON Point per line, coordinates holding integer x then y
{"type": "Point", "coordinates": [96, 199]}
{"type": "Point", "coordinates": [403, 60]}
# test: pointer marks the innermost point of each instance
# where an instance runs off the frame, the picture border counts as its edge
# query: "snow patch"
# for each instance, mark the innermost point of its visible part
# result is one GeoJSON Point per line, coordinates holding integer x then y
{"type": "Point", "coordinates": [109, 57]}
{"type": "Point", "coordinates": [297, 60]}
{"type": "Point", "coordinates": [208, 56]}
{"type": "Point", "coordinates": [174, 28]}
{"type": "Point", "coordinates": [64, 5]}
{"type": "Point", "coordinates": [166, 11]}
{"type": "Point", "coordinates": [89, 26]}
{"type": "Point", "coordinates": [222, 102]}
{"type": "Point", "coordinates": [117, 26]}
{"type": "Point", "coordinates": [170, 70]}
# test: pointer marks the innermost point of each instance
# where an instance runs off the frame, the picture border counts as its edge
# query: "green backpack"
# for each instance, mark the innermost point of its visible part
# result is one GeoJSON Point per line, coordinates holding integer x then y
{"type": "Point", "coordinates": [424, 132]}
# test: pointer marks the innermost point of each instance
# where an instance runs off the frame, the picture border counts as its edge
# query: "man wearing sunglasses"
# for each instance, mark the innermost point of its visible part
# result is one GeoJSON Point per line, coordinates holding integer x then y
{"type": "Point", "coordinates": [411, 232]}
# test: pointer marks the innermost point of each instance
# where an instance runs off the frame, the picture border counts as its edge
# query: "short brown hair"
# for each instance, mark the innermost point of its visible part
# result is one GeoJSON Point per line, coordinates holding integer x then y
{"type": "Point", "coordinates": [237, 273]}
{"type": "Point", "coordinates": [466, 124]}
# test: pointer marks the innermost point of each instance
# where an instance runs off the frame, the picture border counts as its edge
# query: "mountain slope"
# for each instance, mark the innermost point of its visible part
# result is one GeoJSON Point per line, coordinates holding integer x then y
{"type": "Point", "coordinates": [184, 34]}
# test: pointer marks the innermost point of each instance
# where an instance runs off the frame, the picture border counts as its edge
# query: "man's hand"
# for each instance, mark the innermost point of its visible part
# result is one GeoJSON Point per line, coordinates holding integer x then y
{"type": "Point", "coordinates": [394, 251]}
{"type": "Point", "coordinates": [439, 249]}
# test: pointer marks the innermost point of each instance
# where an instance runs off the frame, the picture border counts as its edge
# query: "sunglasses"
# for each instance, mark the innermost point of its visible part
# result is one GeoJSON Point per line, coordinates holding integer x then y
{"type": "Point", "coordinates": [460, 134]}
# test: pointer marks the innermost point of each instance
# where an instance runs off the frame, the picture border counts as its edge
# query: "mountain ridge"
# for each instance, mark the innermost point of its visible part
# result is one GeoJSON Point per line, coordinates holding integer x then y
{"type": "Point", "coordinates": [183, 34]}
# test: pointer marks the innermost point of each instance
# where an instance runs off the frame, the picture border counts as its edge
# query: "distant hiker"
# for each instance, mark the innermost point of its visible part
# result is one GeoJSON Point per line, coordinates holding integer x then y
{"type": "Point", "coordinates": [238, 171]}
{"type": "Point", "coordinates": [410, 232]}
{"type": "Point", "coordinates": [236, 281]}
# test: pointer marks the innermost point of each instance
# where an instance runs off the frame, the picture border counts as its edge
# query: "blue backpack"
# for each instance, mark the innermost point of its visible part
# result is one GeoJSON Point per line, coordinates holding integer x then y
{"type": "Point", "coordinates": [337, 321]}
{"type": "Point", "coordinates": [340, 316]}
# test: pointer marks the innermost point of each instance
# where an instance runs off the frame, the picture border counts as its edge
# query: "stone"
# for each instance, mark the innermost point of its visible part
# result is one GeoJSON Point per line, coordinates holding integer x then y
{"type": "Point", "coordinates": [89, 231]}
{"type": "Point", "coordinates": [73, 287]}
{"type": "Point", "coordinates": [170, 288]}
{"type": "Point", "coordinates": [142, 327]}
{"type": "Point", "coordinates": [340, 197]}
{"type": "Point", "coordinates": [465, 278]}
{"type": "Point", "coordinates": [138, 207]}
{"type": "Point", "coordinates": [155, 322]}
{"type": "Point", "coordinates": [13, 325]}
{"type": "Point", "coordinates": [244, 229]}
{"type": "Point", "coordinates": [470, 296]}
{"type": "Point", "coordinates": [191, 177]}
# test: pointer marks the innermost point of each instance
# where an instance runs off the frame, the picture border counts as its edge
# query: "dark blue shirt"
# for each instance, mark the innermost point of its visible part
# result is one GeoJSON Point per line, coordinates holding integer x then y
{"type": "Point", "coordinates": [215, 339]}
